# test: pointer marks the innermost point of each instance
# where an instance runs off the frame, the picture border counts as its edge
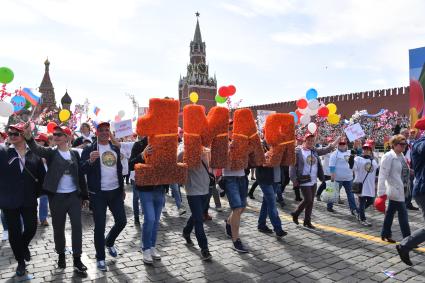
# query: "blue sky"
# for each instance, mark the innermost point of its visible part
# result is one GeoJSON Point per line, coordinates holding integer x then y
{"type": "Point", "coordinates": [270, 50]}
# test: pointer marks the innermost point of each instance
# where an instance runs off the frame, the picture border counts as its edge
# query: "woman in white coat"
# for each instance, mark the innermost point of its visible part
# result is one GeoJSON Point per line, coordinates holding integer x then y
{"type": "Point", "coordinates": [393, 181]}
{"type": "Point", "coordinates": [364, 168]}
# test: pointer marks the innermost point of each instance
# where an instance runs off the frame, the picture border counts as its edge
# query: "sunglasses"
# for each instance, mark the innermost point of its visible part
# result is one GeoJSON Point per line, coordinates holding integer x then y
{"type": "Point", "coordinates": [342, 143]}
{"type": "Point", "coordinates": [402, 143]}
{"type": "Point", "coordinates": [13, 134]}
{"type": "Point", "coordinates": [58, 134]}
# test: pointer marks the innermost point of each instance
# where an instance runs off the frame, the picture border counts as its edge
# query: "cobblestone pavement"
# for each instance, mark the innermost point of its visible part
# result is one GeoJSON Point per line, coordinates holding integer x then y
{"type": "Point", "coordinates": [340, 250]}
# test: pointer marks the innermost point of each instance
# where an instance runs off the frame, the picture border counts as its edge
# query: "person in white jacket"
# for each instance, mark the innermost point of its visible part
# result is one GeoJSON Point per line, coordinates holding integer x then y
{"type": "Point", "coordinates": [393, 181]}
{"type": "Point", "coordinates": [364, 168]}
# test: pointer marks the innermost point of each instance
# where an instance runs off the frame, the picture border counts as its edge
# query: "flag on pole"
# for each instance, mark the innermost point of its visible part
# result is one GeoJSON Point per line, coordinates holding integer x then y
{"type": "Point", "coordinates": [31, 95]}
{"type": "Point", "coordinates": [96, 110]}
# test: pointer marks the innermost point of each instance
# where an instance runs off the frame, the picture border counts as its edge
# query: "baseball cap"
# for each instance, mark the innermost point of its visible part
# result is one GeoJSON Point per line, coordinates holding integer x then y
{"type": "Point", "coordinates": [368, 144]}
{"type": "Point", "coordinates": [308, 135]}
{"type": "Point", "coordinates": [103, 123]}
{"type": "Point", "coordinates": [42, 137]}
{"type": "Point", "coordinates": [18, 127]}
{"type": "Point", "coordinates": [64, 130]}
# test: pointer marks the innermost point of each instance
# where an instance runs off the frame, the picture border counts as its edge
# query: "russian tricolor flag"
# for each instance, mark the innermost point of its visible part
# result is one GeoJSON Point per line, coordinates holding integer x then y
{"type": "Point", "coordinates": [31, 95]}
{"type": "Point", "coordinates": [96, 110]}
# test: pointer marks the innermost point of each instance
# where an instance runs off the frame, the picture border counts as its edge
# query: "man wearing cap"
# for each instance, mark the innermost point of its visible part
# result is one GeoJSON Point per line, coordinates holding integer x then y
{"type": "Point", "coordinates": [343, 175]}
{"type": "Point", "coordinates": [418, 165]}
{"type": "Point", "coordinates": [86, 136]}
{"type": "Point", "coordinates": [43, 208]}
{"type": "Point", "coordinates": [101, 161]}
{"type": "Point", "coordinates": [21, 174]}
{"type": "Point", "coordinates": [66, 188]}
{"type": "Point", "coordinates": [304, 174]}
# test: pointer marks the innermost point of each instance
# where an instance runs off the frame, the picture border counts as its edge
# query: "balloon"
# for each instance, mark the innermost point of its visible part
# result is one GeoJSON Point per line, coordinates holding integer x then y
{"type": "Point", "coordinates": [379, 203]}
{"type": "Point", "coordinates": [231, 89]}
{"type": "Point", "coordinates": [332, 108]}
{"type": "Point", "coordinates": [313, 104]}
{"type": "Point", "coordinates": [193, 97]}
{"type": "Point", "coordinates": [416, 93]}
{"type": "Point", "coordinates": [27, 105]}
{"type": "Point", "coordinates": [313, 112]}
{"type": "Point", "coordinates": [18, 103]}
{"type": "Point", "coordinates": [117, 118]}
{"type": "Point", "coordinates": [220, 99]}
{"type": "Point", "coordinates": [302, 103]}
{"type": "Point", "coordinates": [6, 109]}
{"type": "Point", "coordinates": [295, 116]}
{"type": "Point", "coordinates": [311, 94]}
{"type": "Point", "coordinates": [323, 111]}
{"type": "Point", "coordinates": [121, 113]}
{"type": "Point", "coordinates": [333, 119]}
{"type": "Point", "coordinates": [51, 127]}
{"type": "Point", "coordinates": [312, 127]}
{"type": "Point", "coordinates": [413, 116]}
{"type": "Point", "coordinates": [64, 115]}
{"type": "Point", "coordinates": [6, 75]}
{"type": "Point", "coordinates": [305, 119]}
{"type": "Point", "coordinates": [303, 111]}
{"type": "Point", "coordinates": [223, 91]}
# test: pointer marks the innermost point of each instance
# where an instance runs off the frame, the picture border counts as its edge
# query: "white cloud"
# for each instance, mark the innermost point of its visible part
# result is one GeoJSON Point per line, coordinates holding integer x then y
{"type": "Point", "coordinates": [300, 38]}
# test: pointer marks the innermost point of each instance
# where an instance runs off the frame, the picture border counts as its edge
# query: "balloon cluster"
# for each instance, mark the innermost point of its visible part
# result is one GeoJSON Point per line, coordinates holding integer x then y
{"type": "Point", "coordinates": [6, 76]}
{"type": "Point", "coordinates": [119, 116]}
{"type": "Point", "coordinates": [309, 107]}
{"type": "Point", "coordinates": [224, 93]}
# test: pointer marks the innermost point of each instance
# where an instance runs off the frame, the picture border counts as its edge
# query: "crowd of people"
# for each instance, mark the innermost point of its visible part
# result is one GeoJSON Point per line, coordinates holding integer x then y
{"type": "Point", "coordinates": [67, 173]}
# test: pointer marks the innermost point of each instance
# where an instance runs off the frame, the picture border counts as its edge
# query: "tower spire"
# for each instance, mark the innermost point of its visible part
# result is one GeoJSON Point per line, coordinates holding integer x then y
{"type": "Point", "coordinates": [197, 38]}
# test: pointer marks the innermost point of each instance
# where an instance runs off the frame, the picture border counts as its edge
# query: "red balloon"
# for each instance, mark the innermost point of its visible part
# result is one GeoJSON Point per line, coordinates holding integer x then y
{"type": "Point", "coordinates": [380, 204]}
{"type": "Point", "coordinates": [231, 89]}
{"type": "Point", "coordinates": [223, 91]}
{"type": "Point", "coordinates": [302, 103]}
{"type": "Point", "coordinates": [51, 126]}
{"type": "Point", "coordinates": [323, 111]}
{"type": "Point", "coordinates": [416, 95]}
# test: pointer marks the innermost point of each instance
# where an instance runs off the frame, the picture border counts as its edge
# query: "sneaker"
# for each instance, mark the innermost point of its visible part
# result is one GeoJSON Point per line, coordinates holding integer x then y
{"type": "Point", "coordinates": [62, 261]}
{"type": "Point", "coordinates": [155, 254]}
{"type": "Point", "coordinates": [188, 240]}
{"type": "Point", "coordinates": [330, 209]}
{"type": "Point", "coordinates": [101, 265]}
{"type": "Point", "coordinates": [5, 235]}
{"type": "Point", "coordinates": [182, 211]}
{"type": "Point", "coordinates": [411, 207]}
{"type": "Point", "coordinates": [228, 230]}
{"type": "Point", "coordinates": [219, 209]}
{"type": "Point", "coordinates": [239, 247]}
{"type": "Point", "coordinates": [112, 251]}
{"type": "Point", "coordinates": [44, 223]}
{"type": "Point", "coordinates": [78, 265]}
{"type": "Point", "coordinates": [147, 256]}
{"type": "Point", "coordinates": [265, 230]}
{"type": "Point", "coordinates": [205, 254]}
{"type": "Point", "coordinates": [21, 269]}
{"type": "Point", "coordinates": [281, 234]}
{"type": "Point", "coordinates": [365, 223]}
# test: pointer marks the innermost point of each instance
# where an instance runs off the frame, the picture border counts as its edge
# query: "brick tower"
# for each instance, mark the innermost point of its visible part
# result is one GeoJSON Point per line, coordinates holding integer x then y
{"type": "Point", "coordinates": [197, 78]}
{"type": "Point", "coordinates": [46, 89]}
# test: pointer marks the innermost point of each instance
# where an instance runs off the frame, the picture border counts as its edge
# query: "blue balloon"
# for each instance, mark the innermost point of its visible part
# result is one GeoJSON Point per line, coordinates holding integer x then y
{"type": "Point", "coordinates": [295, 116]}
{"type": "Point", "coordinates": [311, 94]}
{"type": "Point", "coordinates": [18, 102]}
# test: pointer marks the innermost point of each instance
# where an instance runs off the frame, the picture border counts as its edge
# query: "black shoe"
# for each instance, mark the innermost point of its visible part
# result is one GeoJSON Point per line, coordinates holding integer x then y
{"type": "Point", "coordinates": [21, 269]}
{"type": "Point", "coordinates": [62, 261]}
{"type": "Point", "coordinates": [330, 209]}
{"type": "Point", "coordinates": [222, 194]}
{"type": "Point", "coordinates": [308, 225]}
{"type": "Point", "coordinates": [228, 229]}
{"type": "Point", "coordinates": [205, 254]}
{"type": "Point", "coordinates": [251, 196]}
{"type": "Point", "coordinates": [137, 221]}
{"type": "Point", "coordinates": [79, 266]}
{"type": "Point", "coordinates": [411, 207]}
{"type": "Point", "coordinates": [388, 239]}
{"type": "Point", "coordinates": [281, 203]}
{"type": "Point", "coordinates": [281, 234]}
{"type": "Point", "coordinates": [265, 230]}
{"type": "Point", "coordinates": [294, 218]}
{"type": "Point", "coordinates": [318, 198]}
{"type": "Point", "coordinates": [189, 241]}
{"type": "Point", "coordinates": [298, 199]}
{"type": "Point", "coordinates": [404, 255]}
{"type": "Point", "coordinates": [27, 254]}
{"type": "Point", "coordinates": [239, 247]}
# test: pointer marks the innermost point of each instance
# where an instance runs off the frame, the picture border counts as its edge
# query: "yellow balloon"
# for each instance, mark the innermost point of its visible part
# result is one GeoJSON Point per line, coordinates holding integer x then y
{"type": "Point", "coordinates": [332, 108]}
{"type": "Point", "coordinates": [413, 116]}
{"type": "Point", "coordinates": [333, 119]}
{"type": "Point", "coordinates": [64, 115]}
{"type": "Point", "coordinates": [194, 97]}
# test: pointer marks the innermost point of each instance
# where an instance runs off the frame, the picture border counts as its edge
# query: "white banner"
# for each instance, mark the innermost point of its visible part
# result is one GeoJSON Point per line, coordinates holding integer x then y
{"type": "Point", "coordinates": [354, 132]}
{"type": "Point", "coordinates": [123, 129]}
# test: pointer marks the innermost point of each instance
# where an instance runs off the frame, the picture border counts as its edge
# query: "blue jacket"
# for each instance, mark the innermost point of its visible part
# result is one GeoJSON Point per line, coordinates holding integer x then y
{"type": "Point", "coordinates": [93, 171]}
{"type": "Point", "coordinates": [418, 165]}
{"type": "Point", "coordinates": [19, 189]}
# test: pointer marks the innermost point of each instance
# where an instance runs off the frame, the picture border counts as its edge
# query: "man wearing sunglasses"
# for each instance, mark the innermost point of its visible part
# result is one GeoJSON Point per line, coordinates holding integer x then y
{"type": "Point", "coordinates": [21, 175]}
{"type": "Point", "coordinates": [66, 188]}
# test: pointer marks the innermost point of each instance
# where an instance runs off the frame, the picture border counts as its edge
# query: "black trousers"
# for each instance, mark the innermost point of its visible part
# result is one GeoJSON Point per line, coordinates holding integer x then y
{"type": "Point", "coordinates": [19, 240]}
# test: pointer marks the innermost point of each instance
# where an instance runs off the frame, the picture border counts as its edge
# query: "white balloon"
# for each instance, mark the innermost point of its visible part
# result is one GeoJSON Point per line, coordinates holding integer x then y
{"type": "Point", "coordinates": [313, 112]}
{"type": "Point", "coordinates": [313, 104]}
{"type": "Point", "coordinates": [121, 113]}
{"type": "Point", "coordinates": [305, 119]}
{"type": "Point", "coordinates": [6, 109]}
{"type": "Point", "coordinates": [303, 111]}
{"type": "Point", "coordinates": [312, 127]}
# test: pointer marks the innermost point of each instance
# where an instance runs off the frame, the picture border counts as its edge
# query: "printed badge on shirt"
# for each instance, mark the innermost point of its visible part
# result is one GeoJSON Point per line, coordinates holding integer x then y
{"type": "Point", "coordinates": [368, 167]}
{"type": "Point", "coordinates": [311, 160]}
{"type": "Point", "coordinates": [109, 159]}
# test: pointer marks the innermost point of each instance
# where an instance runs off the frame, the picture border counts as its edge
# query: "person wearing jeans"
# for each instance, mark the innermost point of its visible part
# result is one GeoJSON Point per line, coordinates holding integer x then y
{"type": "Point", "coordinates": [43, 210]}
{"type": "Point", "coordinates": [102, 163]}
{"type": "Point", "coordinates": [418, 192]}
{"type": "Point", "coordinates": [394, 174]}
{"type": "Point", "coordinates": [343, 175]}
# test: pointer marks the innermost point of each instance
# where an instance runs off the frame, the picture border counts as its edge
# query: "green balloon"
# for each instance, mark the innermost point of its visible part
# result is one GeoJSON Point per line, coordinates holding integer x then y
{"type": "Point", "coordinates": [6, 75]}
{"type": "Point", "coordinates": [220, 99]}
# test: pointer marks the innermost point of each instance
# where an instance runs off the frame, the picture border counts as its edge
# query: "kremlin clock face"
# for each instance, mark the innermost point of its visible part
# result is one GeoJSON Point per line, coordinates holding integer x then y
{"type": "Point", "coordinates": [190, 68]}
{"type": "Point", "coordinates": [202, 68]}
